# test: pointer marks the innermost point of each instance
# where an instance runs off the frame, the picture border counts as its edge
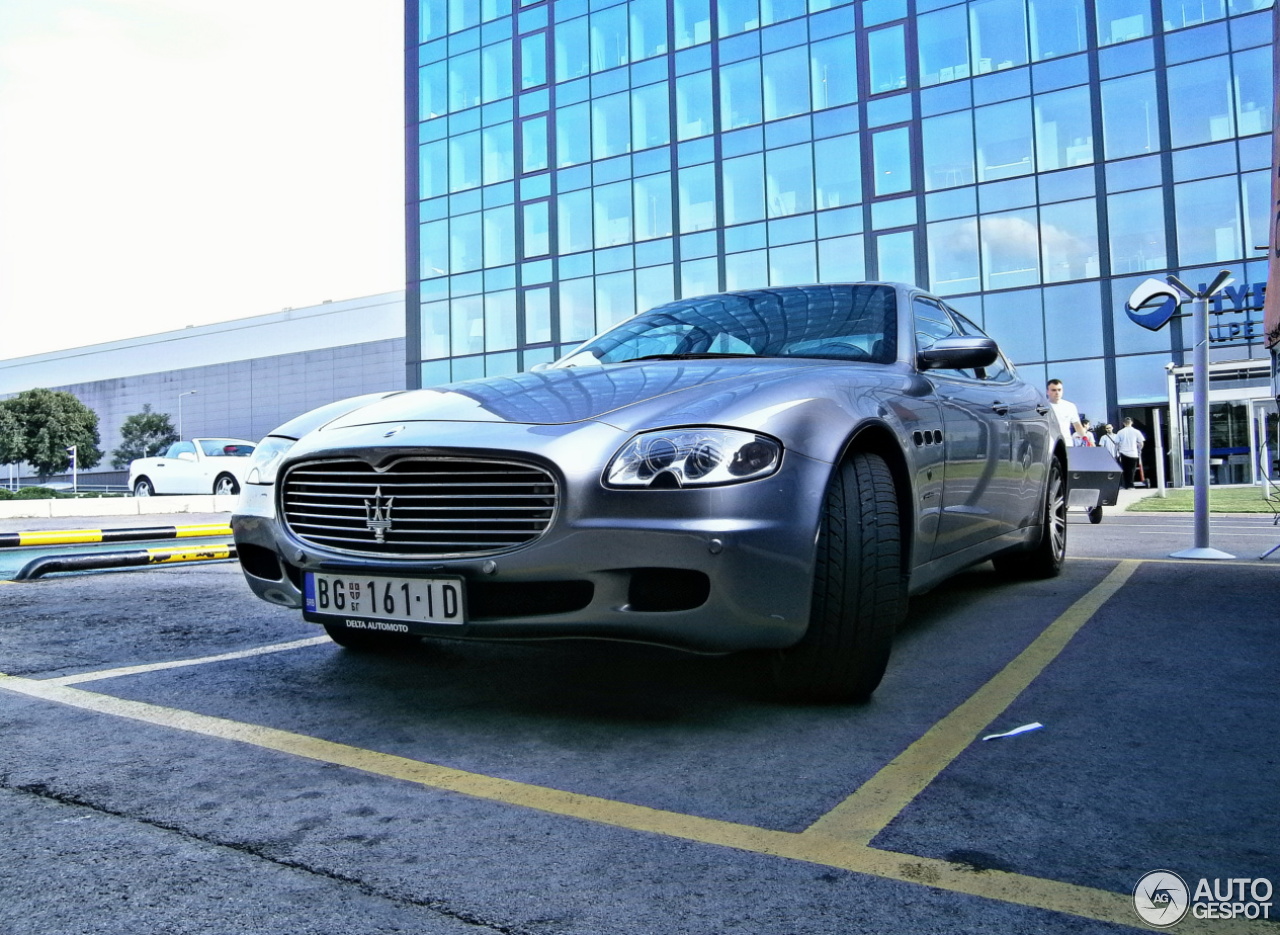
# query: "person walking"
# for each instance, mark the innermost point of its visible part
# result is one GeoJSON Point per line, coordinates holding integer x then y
{"type": "Point", "coordinates": [1086, 439]}
{"type": "Point", "coordinates": [1107, 441]}
{"type": "Point", "coordinates": [1130, 442]}
{"type": "Point", "coordinates": [1066, 412]}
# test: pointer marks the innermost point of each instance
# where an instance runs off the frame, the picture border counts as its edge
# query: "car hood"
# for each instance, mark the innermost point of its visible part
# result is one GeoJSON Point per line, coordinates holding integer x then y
{"type": "Point", "coordinates": [623, 395]}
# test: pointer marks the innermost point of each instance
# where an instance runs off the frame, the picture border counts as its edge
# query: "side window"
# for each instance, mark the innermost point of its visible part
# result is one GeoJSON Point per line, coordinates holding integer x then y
{"type": "Point", "coordinates": [179, 448]}
{"type": "Point", "coordinates": [1000, 371]}
{"type": "Point", "coordinates": [932, 323]}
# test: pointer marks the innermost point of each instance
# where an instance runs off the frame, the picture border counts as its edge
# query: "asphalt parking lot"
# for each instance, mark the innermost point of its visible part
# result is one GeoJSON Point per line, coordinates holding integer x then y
{"type": "Point", "coordinates": [181, 758]}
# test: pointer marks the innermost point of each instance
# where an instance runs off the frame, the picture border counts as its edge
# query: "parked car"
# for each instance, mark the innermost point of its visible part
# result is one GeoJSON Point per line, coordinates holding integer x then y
{"type": "Point", "coordinates": [201, 465]}
{"type": "Point", "coordinates": [777, 469]}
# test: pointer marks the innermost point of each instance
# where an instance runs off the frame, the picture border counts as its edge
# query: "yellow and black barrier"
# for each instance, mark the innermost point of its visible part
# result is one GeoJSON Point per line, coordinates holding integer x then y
{"type": "Point", "coordinates": [94, 561]}
{"type": "Point", "coordinates": [12, 540]}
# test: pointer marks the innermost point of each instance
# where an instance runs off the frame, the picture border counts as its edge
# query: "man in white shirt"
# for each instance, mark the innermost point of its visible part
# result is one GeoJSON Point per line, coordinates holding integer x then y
{"type": "Point", "coordinates": [1067, 414]}
{"type": "Point", "coordinates": [1130, 442]}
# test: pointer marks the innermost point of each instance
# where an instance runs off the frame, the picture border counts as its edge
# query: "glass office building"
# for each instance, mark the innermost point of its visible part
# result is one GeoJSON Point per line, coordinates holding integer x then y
{"type": "Point", "coordinates": [574, 161]}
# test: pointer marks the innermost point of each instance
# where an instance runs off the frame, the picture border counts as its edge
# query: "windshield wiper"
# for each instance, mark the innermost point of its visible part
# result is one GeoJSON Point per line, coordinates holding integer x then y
{"type": "Point", "coordinates": [706, 356]}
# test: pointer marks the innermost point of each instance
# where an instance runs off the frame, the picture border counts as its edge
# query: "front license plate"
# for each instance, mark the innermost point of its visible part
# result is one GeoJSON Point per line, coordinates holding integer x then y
{"type": "Point", "coordinates": [407, 600]}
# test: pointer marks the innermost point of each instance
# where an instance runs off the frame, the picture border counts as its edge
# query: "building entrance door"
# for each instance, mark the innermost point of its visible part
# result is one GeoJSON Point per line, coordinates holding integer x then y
{"type": "Point", "coordinates": [1266, 440]}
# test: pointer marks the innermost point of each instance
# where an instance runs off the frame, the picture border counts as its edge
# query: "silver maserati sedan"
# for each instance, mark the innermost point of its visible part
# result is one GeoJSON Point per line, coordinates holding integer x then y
{"type": "Point", "coordinates": [777, 469]}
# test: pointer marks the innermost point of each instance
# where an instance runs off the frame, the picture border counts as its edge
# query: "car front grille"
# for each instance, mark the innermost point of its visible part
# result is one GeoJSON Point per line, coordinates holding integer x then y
{"type": "Point", "coordinates": [418, 506]}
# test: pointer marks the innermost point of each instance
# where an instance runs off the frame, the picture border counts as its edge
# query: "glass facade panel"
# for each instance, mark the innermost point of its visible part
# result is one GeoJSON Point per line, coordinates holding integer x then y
{"type": "Point", "coordinates": [574, 227]}
{"type": "Point", "coordinates": [697, 198]}
{"type": "Point", "coordinates": [1200, 108]}
{"type": "Point", "coordinates": [1010, 249]}
{"type": "Point", "coordinates": [1073, 321]}
{"type": "Point", "coordinates": [1003, 135]}
{"type": "Point", "coordinates": [467, 313]}
{"type": "Point", "coordinates": [943, 41]}
{"type": "Point", "coordinates": [833, 72]}
{"type": "Point", "coordinates": [1122, 20]}
{"type": "Point", "coordinates": [1253, 91]}
{"type": "Point", "coordinates": [1180, 13]}
{"type": "Point", "coordinates": [691, 22]}
{"type": "Point", "coordinates": [1064, 129]}
{"type": "Point", "coordinates": [891, 153]}
{"type": "Point", "coordinates": [896, 256]}
{"type": "Point", "coordinates": [887, 59]}
{"type": "Point", "coordinates": [743, 182]}
{"type": "Point", "coordinates": [842, 259]}
{"type": "Point", "coordinates": [648, 31]}
{"type": "Point", "coordinates": [953, 256]}
{"type": "Point", "coordinates": [736, 16]}
{"type": "Point", "coordinates": [610, 126]}
{"type": "Point", "coordinates": [837, 172]}
{"type": "Point", "coordinates": [1057, 28]}
{"type": "Point", "coordinates": [740, 104]}
{"type": "Point", "coordinates": [789, 180]}
{"type": "Point", "coordinates": [784, 95]}
{"type": "Point", "coordinates": [695, 113]}
{"type": "Point", "coordinates": [1209, 224]}
{"type": "Point", "coordinates": [1136, 224]}
{"type": "Point", "coordinates": [997, 34]}
{"type": "Point", "coordinates": [650, 116]}
{"type": "Point", "coordinates": [609, 44]}
{"type": "Point", "coordinates": [947, 143]}
{"type": "Point", "coordinates": [537, 229]}
{"type": "Point", "coordinates": [573, 134]}
{"type": "Point", "coordinates": [572, 55]}
{"type": "Point", "coordinates": [1069, 240]}
{"type": "Point", "coordinates": [653, 206]}
{"type": "Point", "coordinates": [1130, 116]}
{"type": "Point", "coordinates": [1016, 321]}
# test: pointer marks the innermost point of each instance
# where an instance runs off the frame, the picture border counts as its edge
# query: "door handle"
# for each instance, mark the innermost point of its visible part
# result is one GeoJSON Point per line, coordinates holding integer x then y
{"type": "Point", "coordinates": [999, 408]}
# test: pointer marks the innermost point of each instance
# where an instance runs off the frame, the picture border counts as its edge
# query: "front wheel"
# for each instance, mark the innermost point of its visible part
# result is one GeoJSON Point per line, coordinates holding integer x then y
{"type": "Point", "coordinates": [369, 641]}
{"type": "Point", "coordinates": [225, 486]}
{"type": "Point", "coordinates": [1046, 558]}
{"type": "Point", "coordinates": [859, 589]}
{"type": "Point", "coordinates": [142, 488]}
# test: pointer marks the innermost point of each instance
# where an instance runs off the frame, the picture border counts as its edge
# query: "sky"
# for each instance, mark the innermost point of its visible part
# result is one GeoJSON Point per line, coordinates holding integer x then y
{"type": "Point", "coordinates": [166, 163]}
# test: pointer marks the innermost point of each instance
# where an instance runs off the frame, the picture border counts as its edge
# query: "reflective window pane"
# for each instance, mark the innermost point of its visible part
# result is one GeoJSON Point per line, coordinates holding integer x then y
{"type": "Point", "coordinates": [953, 256]}
{"type": "Point", "coordinates": [615, 299]}
{"type": "Point", "coordinates": [697, 198]}
{"type": "Point", "coordinates": [577, 309]}
{"type": "Point", "coordinates": [650, 117]}
{"type": "Point", "coordinates": [573, 134]}
{"type": "Point", "coordinates": [694, 109]}
{"type": "Point", "coordinates": [692, 22]}
{"type": "Point", "coordinates": [572, 58]}
{"type": "Point", "coordinates": [740, 104]}
{"type": "Point", "coordinates": [498, 152]}
{"type": "Point", "coordinates": [833, 72]}
{"type": "Point", "coordinates": [1122, 20]}
{"type": "Point", "coordinates": [789, 180]}
{"type": "Point", "coordinates": [495, 71]}
{"type": "Point", "coordinates": [533, 136]}
{"type": "Point", "coordinates": [887, 59]}
{"type": "Point", "coordinates": [533, 60]}
{"type": "Point", "coordinates": [737, 16]}
{"type": "Point", "coordinates": [793, 265]}
{"type": "Point", "coordinates": [1253, 91]}
{"type": "Point", "coordinates": [537, 315]}
{"type": "Point", "coordinates": [648, 31]}
{"type": "Point", "coordinates": [653, 206]}
{"type": "Point", "coordinates": [891, 150]}
{"type": "Point", "coordinates": [896, 255]}
{"type": "Point", "coordinates": [433, 90]}
{"type": "Point", "coordinates": [997, 34]}
{"type": "Point", "coordinates": [1016, 322]}
{"type": "Point", "coordinates": [1069, 240]}
{"type": "Point", "coordinates": [1057, 28]}
{"type": "Point", "coordinates": [1073, 321]}
{"type": "Point", "coordinates": [467, 314]}
{"type": "Point", "coordinates": [842, 259]}
{"type": "Point", "coordinates": [699, 277]}
{"type": "Point", "coordinates": [1180, 13]}
{"type": "Point", "coordinates": [1130, 116]}
{"type": "Point", "coordinates": [573, 215]}
{"type": "Point", "coordinates": [609, 43]}
{"type": "Point", "coordinates": [500, 320]}
{"type": "Point", "coordinates": [837, 172]}
{"type": "Point", "coordinates": [537, 229]}
{"type": "Point", "coordinates": [1208, 219]}
{"type": "Point", "coordinates": [1064, 129]}
{"type": "Point", "coordinates": [743, 189]}
{"type": "Point", "coordinates": [943, 37]}
{"type": "Point", "coordinates": [1135, 231]}
{"type": "Point", "coordinates": [433, 166]}
{"type": "Point", "coordinates": [464, 162]}
{"type": "Point", "coordinates": [1010, 249]}
{"type": "Point", "coordinates": [499, 227]}
{"type": "Point", "coordinates": [785, 95]}
{"type": "Point", "coordinates": [1200, 108]}
{"type": "Point", "coordinates": [1003, 137]}
{"type": "Point", "coordinates": [947, 143]}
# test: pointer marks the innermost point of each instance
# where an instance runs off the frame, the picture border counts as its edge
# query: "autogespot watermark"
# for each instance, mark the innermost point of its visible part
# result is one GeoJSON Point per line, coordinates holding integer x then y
{"type": "Point", "coordinates": [1162, 898]}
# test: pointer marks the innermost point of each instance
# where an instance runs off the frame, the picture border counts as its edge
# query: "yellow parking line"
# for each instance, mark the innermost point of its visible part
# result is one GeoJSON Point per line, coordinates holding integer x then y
{"type": "Point", "coordinates": [866, 813]}
{"type": "Point", "coordinates": [995, 885]}
{"type": "Point", "coordinates": [181, 663]}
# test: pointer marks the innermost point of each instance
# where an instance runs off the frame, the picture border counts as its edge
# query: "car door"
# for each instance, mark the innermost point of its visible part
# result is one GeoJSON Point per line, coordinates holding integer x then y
{"type": "Point", "coordinates": [977, 487]}
{"type": "Point", "coordinates": [1030, 440]}
{"type": "Point", "coordinates": [175, 469]}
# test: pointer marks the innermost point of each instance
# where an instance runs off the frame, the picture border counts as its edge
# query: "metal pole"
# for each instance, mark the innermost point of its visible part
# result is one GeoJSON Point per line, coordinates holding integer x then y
{"type": "Point", "coordinates": [1200, 403]}
{"type": "Point", "coordinates": [1158, 441]}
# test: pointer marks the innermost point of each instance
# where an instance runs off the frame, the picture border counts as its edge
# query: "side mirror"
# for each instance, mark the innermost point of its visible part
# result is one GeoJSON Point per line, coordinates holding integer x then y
{"type": "Point", "coordinates": [960, 353]}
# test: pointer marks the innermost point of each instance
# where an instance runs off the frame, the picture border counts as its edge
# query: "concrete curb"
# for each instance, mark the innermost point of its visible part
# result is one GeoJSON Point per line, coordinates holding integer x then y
{"type": "Point", "coordinates": [116, 506]}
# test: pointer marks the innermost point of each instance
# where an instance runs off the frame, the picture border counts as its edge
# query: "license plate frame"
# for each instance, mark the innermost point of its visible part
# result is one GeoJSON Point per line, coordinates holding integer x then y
{"type": "Point", "coordinates": [418, 603]}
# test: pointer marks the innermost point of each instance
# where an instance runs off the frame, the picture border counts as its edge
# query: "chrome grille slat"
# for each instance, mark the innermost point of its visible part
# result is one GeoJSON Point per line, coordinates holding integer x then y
{"type": "Point", "coordinates": [440, 507]}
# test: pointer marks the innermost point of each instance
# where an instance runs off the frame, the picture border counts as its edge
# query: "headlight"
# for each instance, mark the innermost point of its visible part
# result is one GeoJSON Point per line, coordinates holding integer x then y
{"type": "Point", "coordinates": [693, 458]}
{"type": "Point", "coordinates": [266, 459]}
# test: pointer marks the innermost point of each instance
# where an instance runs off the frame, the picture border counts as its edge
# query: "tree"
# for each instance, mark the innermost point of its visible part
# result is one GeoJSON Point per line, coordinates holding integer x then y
{"type": "Point", "coordinates": [38, 426]}
{"type": "Point", "coordinates": [143, 435]}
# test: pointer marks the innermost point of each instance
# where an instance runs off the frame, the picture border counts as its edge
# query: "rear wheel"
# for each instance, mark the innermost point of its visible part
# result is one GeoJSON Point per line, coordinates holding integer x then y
{"type": "Point", "coordinates": [859, 590]}
{"type": "Point", "coordinates": [1045, 560]}
{"type": "Point", "coordinates": [225, 485]}
{"type": "Point", "coordinates": [369, 641]}
{"type": "Point", "coordinates": [142, 488]}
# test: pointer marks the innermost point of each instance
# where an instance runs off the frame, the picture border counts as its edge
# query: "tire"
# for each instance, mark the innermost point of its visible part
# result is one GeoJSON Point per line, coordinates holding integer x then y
{"type": "Point", "coordinates": [142, 488]}
{"type": "Point", "coordinates": [859, 590]}
{"type": "Point", "coordinates": [369, 641]}
{"type": "Point", "coordinates": [1045, 559]}
{"type": "Point", "coordinates": [226, 486]}
{"type": "Point", "coordinates": [1095, 515]}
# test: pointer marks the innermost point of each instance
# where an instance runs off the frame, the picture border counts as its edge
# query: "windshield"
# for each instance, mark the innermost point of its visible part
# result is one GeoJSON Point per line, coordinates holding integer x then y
{"type": "Point", "coordinates": [225, 448]}
{"type": "Point", "coordinates": [845, 322]}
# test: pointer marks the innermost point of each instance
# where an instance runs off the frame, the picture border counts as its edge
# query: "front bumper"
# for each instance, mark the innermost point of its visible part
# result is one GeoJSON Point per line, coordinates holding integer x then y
{"type": "Point", "coordinates": [709, 570]}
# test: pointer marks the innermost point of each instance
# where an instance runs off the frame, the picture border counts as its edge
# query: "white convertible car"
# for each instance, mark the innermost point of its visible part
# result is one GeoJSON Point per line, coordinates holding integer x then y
{"type": "Point", "coordinates": [201, 465]}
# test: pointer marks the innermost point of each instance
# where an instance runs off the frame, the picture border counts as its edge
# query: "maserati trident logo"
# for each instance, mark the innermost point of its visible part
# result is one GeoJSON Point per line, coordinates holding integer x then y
{"type": "Point", "coordinates": [378, 515]}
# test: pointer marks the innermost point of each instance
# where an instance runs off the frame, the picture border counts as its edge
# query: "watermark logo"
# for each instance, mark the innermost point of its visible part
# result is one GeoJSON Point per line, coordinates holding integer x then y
{"type": "Point", "coordinates": [1152, 304]}
{"type": "Point", "coordinates": [1161, 898]}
